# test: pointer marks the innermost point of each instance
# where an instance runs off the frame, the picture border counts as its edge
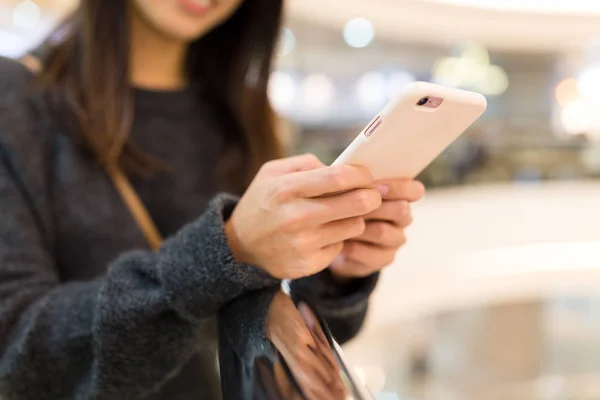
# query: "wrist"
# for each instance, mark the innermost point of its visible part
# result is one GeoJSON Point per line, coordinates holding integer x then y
{"type": "Point", "coordinates": [340, 278]}
{"type": "Point", "coordinates": [234, 243]}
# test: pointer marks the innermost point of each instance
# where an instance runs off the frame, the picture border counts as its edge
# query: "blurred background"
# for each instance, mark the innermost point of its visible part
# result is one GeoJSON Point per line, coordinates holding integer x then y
{"type": "Point", "coordinates": [497, 294]}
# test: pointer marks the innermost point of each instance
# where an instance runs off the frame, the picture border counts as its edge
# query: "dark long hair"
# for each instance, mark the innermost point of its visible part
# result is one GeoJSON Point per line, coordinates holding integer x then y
{"type": "Point", "coordinates": [86, 72]}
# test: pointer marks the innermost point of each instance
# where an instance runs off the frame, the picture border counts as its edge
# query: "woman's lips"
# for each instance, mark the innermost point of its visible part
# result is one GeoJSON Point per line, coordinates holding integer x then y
{"type": "Point", "coordinates": [196, 6]}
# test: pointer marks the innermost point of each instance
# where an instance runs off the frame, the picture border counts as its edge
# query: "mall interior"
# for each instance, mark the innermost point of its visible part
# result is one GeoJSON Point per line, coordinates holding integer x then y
{"type": "Point", "coordinates": [496, 295]}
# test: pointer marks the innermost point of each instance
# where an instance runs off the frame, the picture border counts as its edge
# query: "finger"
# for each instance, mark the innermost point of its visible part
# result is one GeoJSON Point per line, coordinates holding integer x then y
{"type": "Point", "coordinates": [328, 180]}
{"type": "Point", "coordinates": [321, 259]}
{"type": "Point", "coordinates": [303, 162]}
{"type": "Point", "coordinates": [395, 211]}
{"type": "Point", "coordinates": [341, 206]}
{"type": "Point", "coordinates": [401, 189]}
{"type": "Point", "coordinates": [383, 234]}
{"type": "Point", "coordinates": [339, 231]}
{"type": "Point", "coordinates": [366, 254]}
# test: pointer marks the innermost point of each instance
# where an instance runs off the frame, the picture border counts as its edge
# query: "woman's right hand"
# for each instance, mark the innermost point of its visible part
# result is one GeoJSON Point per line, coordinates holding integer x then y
{"type": "Point", "coordinates": [294, 217]}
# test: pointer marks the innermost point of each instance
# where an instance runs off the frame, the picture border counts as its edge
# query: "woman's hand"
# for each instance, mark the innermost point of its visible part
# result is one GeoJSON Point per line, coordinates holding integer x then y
{"type": "Point", "coordinates": [376, 247]}
{"type": "Point", "coordinates": [296, 214]}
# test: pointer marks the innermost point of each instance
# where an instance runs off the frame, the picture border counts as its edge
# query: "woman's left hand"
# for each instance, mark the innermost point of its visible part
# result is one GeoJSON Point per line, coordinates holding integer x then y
{"type": "Point", "coordinates": [384, 232]}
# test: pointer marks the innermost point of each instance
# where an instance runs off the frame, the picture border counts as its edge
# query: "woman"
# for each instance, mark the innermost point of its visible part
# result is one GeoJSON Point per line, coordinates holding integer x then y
{"type": "Point", "coordinates": [171, 94]}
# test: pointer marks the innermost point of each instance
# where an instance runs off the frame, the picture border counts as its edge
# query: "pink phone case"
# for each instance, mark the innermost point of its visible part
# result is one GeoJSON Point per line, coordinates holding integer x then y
{"type": "Point", "coordinates": [411, 131]}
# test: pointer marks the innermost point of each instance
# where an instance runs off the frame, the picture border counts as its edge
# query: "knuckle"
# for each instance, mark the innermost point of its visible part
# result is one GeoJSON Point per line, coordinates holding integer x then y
{"type": "Point", "coordinates": [282, 191]}
{"type": "Point", "coordinates": [295, 221]}
{"type": "Point", "coordinates": [292, 221]}
{"type": "Point", "coordinates": [337, 177]}
{"type": "Point", "coordinates": [365, 201]}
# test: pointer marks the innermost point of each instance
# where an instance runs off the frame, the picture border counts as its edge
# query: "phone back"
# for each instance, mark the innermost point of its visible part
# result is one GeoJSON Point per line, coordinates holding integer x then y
{"type": "Point", "coordinates": [406, 137]}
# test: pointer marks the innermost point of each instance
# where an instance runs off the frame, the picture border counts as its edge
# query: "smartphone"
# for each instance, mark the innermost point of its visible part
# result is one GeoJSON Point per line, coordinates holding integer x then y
{"type": "Point", "coordinates": [412, 130]}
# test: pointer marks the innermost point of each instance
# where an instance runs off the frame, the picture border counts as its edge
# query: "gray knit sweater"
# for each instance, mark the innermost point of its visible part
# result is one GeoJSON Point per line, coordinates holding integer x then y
{"type": "Point", "coordinates": [86, 310]}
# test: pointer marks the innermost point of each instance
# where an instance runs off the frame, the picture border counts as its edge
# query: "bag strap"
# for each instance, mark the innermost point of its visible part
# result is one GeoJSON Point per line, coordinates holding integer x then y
{"type": "Point", "coordinates": [136, 207]}
{"type": "Point", "coordinates": [132, 200]}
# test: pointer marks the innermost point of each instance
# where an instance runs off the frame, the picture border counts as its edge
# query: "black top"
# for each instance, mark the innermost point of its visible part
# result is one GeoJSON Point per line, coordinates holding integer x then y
{"type": "Point", "coordinates": [86, 310]}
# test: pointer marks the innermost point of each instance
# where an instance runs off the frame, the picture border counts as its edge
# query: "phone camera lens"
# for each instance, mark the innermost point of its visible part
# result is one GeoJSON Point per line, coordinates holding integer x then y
{"type": "Point", "coordinates": [423, 101]}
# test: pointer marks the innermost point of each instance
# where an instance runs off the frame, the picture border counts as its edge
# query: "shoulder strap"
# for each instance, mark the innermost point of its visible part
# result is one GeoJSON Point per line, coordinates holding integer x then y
{"type": "Point", "coordinates": [134, 204]}
{"type": "Point", "coordinates": [136, 207]}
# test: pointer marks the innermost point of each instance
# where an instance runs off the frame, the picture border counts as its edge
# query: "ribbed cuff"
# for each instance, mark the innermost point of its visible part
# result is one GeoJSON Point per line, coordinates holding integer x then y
{"type": "Point", "coordinates": [197, 267]}
{"type": "Point", "coordinates": [333, 298]}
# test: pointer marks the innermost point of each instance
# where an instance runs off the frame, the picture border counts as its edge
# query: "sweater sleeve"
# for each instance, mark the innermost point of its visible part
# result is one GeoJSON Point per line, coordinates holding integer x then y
{"type": "Point", "coordinates": [118, 337]}
{"type": "Point", "coordinates": [343, 306]}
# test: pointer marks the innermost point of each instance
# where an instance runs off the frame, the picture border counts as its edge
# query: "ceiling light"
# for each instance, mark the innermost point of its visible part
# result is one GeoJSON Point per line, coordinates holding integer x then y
{"type": "Point", "coordinates": [359, 32]}
{"type": "Point", "coordinates": [26, 15]}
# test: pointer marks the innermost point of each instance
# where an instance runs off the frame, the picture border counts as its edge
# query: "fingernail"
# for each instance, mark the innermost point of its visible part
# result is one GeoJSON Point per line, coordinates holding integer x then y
{"type": "Point", "coordinates": [338, 261]}
{"type": "Point", "coordinates": [383, 189]}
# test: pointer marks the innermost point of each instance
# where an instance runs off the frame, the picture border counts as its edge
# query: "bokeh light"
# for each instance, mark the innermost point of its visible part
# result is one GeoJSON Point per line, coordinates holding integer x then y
{"type": "Point", "coordinates": [470, 69]}
{"type": "Point", "coordinates": [11, 46]}
{"type": "Point", "coordinates": [371, 91]}
{"type": "Point", "coordinates": [493, 83]}
{"type": "Point", "coordinates": [566, 91]}
{"type": "Point", "coordinates": [282, 90]}
{"type": "Point", "coordinates": [288, 42]}
{"type": "Point", "coordinates": [318, 91]}
{"type": "Point", "coordinates": [577, 117]}
{"type": "Point", "coordinates": [397, 81]}
{"type": "Point", "coordinates": [359, 32]}
{"type": "Point", "coordinates": [26, 15]}
{"type": "Point", "coordinates": [588, 84]}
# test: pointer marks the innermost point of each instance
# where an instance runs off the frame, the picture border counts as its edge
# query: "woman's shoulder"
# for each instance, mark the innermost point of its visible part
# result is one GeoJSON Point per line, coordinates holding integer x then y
{"type": "Point", "coordinates": [15, 77]}
{"type": "Point", "coordinates": [18, 99]}
{"type": "Point", "coordinates": [23, 130]}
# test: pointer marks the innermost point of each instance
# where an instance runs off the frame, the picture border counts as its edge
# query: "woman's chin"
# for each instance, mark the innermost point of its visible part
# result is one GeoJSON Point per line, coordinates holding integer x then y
{"type": "Point", "coordinates": [185, 20]}
{"type": "Point", "coordinates": [185, 32]}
